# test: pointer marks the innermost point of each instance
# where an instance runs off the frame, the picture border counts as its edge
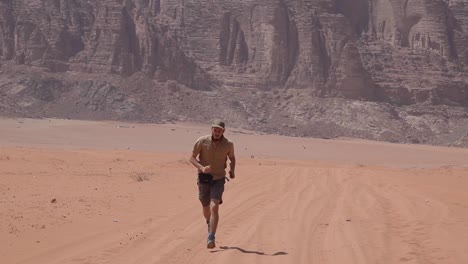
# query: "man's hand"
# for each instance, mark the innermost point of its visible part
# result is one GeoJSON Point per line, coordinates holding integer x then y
{"type": "Point", "coordinates": [206, 169]}
{"type": "Point", "coordinates": [232, 175]}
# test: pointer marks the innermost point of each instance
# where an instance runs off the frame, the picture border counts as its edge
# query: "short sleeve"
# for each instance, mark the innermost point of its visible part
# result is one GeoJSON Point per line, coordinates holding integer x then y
{"type": "Point", "coordinates": [197, 147]}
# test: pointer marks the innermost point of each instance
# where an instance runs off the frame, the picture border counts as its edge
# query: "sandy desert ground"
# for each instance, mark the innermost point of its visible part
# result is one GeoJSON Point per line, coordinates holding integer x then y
{"type": "Point", "coordinates": [109, 192]}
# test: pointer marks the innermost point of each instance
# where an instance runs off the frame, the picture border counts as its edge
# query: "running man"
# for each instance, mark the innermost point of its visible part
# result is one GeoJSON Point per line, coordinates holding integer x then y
{"type": "Point", "coordinates": [212, 152]}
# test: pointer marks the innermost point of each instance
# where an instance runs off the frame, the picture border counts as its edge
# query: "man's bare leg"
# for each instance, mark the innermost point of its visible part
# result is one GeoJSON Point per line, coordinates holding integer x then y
{"type": "Point", "coordinates": [214, 218]}
{"type": "Point", "coordinates": [214, 206]}
{"type": "Point", "coordinates": [207, 213]}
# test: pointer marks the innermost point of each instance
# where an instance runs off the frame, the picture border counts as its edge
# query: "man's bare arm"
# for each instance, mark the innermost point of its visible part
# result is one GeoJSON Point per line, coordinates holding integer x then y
{"type": "Point", "coordinates": [232, 166]}
{"type": "Point", "coordinates": [193, 160]}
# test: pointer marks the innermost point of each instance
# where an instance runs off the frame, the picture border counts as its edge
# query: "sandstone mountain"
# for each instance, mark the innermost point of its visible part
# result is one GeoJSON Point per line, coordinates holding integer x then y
{"type": "Point", "coordinates": [392, 70]}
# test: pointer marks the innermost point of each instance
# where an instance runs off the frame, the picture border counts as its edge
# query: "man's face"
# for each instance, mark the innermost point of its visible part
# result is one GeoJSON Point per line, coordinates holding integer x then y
{"type": "Point", "coordinates": [216, 133]}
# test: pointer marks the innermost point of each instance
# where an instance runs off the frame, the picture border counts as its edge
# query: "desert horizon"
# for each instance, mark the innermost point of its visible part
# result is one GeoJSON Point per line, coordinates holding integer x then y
{"type": "Point", "coordinates": [75, 191]}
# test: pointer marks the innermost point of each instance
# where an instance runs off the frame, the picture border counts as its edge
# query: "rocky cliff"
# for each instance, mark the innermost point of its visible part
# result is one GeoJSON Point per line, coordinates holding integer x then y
{"type": "Point", "coordinates": [298, 63]}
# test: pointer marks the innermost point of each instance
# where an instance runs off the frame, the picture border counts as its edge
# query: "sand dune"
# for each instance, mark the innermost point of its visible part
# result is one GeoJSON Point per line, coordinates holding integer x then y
{"type": "Point", "coordinates": [107, 192]}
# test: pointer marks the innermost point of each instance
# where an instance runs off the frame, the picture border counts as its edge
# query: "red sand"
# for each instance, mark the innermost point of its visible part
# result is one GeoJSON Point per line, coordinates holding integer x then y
{"type": "Point", "coordinates": [107, 192]}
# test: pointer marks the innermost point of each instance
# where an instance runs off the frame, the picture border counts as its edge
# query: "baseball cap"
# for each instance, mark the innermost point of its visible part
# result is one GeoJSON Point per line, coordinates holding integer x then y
{"type": "Point", "coordinates": [218, 124]}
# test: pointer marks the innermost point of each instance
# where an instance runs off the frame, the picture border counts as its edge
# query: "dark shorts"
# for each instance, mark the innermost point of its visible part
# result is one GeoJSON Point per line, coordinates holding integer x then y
{"type": "Point", "coordinates": [207, 191]}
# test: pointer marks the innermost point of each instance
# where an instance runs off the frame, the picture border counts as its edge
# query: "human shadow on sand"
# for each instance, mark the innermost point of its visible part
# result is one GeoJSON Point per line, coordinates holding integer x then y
{"type": "Point", "coordinates": [224, 248]}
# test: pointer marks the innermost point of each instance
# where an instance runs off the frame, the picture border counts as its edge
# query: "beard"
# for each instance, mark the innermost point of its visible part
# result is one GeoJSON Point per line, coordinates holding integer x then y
{"type": "Point", "coordinates": [213, 137]}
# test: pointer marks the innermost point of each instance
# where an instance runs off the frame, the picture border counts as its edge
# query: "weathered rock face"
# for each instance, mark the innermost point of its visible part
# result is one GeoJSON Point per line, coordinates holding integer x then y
{"type": "Point", "coordinates": [417, 51]}
{"type": "Point", "coordinates": [320, 45]}
{"type": "Point", "coordinates": [97, 37]}
{"type": "Point", "coordinates": [401, 52]}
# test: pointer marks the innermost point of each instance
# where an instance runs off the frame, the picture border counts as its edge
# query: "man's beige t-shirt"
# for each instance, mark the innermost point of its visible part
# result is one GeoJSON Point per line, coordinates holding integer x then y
{"type": "Point", "coordinates": [213, 154]}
